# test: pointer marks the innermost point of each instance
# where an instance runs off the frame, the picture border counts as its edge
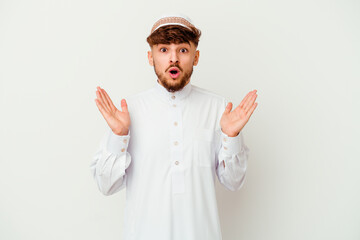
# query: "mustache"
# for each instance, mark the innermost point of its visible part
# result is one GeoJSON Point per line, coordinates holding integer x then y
{"type": "Point", "coordinates": [174, 65]}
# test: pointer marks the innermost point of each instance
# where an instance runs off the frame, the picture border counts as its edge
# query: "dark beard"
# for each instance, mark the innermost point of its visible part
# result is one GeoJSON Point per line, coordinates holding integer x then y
{"type": "Point", "coordinates": [170, 87]}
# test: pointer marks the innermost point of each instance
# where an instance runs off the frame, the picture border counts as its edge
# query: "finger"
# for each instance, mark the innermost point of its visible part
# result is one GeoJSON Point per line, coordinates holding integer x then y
{"type": "Point", "coordinates": [107, 104]}
{"type": "Point", "coordinates": [124, 107]}
{"type": "Point", "coordinates": [228, 107]}
{"type": "Point", "coordinates": [245, 99]}
{"type": "Point", "coordinates": [101, 98]}
{"type": "Point", "coordinates": [111, 104]}
{"type": "Point", "coordinates": [248, 115]}
{"type": "Point", "coordinates": [250, 102]}
{"type": "Point", "coordinates": [101, 108]}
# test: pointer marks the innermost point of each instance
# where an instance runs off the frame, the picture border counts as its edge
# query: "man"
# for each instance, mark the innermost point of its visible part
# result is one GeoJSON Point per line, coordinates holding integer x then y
{"type": "Point", "coordinates": [167, 144]}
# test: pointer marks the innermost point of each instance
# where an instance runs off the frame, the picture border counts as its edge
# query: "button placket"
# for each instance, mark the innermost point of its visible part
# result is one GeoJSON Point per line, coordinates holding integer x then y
{"type": "Point", "coordinates": [176, 146]}
{"type": "Point", "coordinates": [176, 132]}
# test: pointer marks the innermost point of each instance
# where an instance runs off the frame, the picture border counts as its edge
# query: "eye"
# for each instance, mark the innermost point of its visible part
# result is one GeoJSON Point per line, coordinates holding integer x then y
{"type": "Point", "coordinates": [183, 50]}
{"type": "Point", "coordinates": [162, 49]}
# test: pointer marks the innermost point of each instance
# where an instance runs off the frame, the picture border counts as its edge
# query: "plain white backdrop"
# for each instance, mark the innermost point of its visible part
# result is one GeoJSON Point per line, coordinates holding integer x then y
{"type": "Point", "coordinates": [303, 57]}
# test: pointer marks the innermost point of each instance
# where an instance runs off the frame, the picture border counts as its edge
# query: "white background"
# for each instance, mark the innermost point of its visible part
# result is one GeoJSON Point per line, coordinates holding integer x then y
{"type": "Point", "coordinates": [303, 57]}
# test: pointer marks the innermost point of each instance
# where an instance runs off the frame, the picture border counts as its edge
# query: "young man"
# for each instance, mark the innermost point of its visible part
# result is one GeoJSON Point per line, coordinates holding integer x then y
{"type": "Point", "coordinates": [179, 136]}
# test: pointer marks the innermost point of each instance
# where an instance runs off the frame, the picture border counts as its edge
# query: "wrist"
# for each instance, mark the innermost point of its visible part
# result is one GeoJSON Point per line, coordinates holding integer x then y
{"type": "Point", "coordinates": [122, 132]}
{"type": "Point", "coordinates": [230, 134]}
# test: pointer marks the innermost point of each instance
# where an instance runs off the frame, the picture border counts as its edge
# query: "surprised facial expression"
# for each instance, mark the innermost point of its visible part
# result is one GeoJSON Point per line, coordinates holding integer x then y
{"type": "Point", "coordinates": [173, 64]}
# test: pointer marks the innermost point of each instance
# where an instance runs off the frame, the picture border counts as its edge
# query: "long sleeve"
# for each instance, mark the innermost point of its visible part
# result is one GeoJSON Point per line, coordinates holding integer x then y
{"type": "Point", "coordinates": [110, 162]}
{"type": "Point", "coordinates": [231, 161]}
{"type": "Point", "coordinates": [231, 158]}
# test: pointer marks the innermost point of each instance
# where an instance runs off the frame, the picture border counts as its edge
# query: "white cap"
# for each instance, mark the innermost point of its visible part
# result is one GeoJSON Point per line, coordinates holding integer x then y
{"type": "Point", "coordinates": [172, 19]}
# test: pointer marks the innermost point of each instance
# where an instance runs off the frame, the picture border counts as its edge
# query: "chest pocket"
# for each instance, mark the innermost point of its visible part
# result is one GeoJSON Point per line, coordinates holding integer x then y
{"type": "Point", "coordinates": [204, 147]}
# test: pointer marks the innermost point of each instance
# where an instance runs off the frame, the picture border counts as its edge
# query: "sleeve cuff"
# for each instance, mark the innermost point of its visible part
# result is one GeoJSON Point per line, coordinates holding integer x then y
{"type": "Point", "coordinates": [231, 145]}
{"type": "Point", "coordinates": [117, 144]}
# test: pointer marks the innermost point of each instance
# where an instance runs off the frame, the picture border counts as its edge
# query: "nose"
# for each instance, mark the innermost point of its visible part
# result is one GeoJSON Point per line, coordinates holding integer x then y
{"type": "Point", "coordinates": [174, 57]}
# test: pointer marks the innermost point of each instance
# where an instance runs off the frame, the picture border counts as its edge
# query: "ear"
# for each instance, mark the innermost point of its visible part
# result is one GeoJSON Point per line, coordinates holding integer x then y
{"type": "Point", "coordinates": [150, 58]}
{"type": "Point", "coordinates": [197, 55]}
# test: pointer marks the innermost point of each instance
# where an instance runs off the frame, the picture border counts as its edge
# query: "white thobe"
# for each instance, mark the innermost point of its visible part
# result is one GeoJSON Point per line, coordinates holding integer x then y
{"type": "Point", "coordinates": [168, 162]}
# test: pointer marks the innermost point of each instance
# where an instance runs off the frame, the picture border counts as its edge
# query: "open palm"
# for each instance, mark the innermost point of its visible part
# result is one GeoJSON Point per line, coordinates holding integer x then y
{"type": "Point", "coordinates": [232, 122]}
{"type": "Point", "coordinates": [118, 121]}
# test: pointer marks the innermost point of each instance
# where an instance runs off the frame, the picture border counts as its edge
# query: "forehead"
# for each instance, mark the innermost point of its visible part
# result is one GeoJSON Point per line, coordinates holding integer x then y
{"type": "Point", "coordinates": [174, 45]}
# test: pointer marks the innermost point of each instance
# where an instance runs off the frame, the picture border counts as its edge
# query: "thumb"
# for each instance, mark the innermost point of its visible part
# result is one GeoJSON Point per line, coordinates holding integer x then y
{"type": "Point", "coordinates": [228, 107]}
{"type": "Point", "coordinates": [124, 106]}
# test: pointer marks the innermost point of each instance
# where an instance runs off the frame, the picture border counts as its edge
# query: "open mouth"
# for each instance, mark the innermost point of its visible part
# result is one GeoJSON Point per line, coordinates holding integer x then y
{"type": "Point", "coordinates": [174, 72]}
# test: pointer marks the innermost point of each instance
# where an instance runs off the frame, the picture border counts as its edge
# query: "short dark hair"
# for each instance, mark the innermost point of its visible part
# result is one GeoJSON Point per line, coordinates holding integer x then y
{"type": "Point", "coordinates": [174, 34]}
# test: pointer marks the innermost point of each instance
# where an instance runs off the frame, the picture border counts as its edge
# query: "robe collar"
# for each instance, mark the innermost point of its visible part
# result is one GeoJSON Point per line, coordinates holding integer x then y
{"type": "Point", "coordinates": [171, 96]}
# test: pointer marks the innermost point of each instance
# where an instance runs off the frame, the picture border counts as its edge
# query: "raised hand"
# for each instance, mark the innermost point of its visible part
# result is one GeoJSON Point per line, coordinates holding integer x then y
{"type": "Point", "coordinates": [232, 122]}
{"type": "Point", "coordinates": [118, 121]}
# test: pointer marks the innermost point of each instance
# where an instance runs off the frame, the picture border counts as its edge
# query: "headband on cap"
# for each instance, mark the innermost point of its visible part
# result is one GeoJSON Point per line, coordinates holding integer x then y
{"type": "Point", "coordinates": [172, 20]}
